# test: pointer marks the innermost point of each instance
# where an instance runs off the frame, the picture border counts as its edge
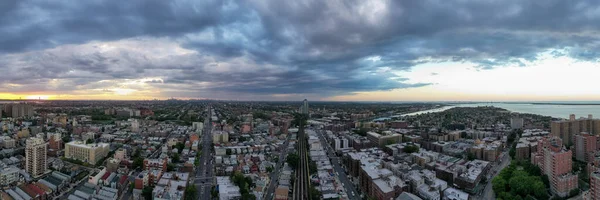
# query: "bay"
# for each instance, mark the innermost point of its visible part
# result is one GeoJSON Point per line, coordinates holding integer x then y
{"type": "Point", "coordinates": [553, 109]}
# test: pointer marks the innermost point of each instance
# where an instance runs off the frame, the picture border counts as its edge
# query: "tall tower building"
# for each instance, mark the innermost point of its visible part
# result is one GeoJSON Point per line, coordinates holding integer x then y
{"type": "Point", "coordinates": [305, 107]}
{"type": "Point", "coordinates": [35, 156]}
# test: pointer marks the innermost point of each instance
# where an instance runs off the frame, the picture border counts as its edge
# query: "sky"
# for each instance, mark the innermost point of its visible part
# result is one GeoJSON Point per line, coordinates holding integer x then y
{"type": "Point", "coordinates": [350, 50]}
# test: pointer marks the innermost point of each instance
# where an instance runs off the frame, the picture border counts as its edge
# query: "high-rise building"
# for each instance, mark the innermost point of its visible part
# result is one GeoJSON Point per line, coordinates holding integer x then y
{"type": "Point", "coordinates": [35, 156]}
{"type": "Point", "coordinates": [220, 137]}
{"type": "Point", "coordinates": [90, 153]}
{"type": "Point", "coordinates": [566, 129]}
{"type": "Point", "coordinates": [304, 108]}
{"type": "Point", "coordinates": [555, 161]}
{"type": "Point", "coordinates": [21, 110]}
{"type": "Point", "coordinates": [7, 108]}
{"type": "Point", "coordinates": [516, 123]}
{"type": "Point", "coordinates": [595, 185]}
{"type": "Point", "coordinates": [585, 145]}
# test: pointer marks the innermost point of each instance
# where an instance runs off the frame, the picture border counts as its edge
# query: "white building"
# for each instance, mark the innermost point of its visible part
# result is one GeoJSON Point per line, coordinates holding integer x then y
{"type": "Point", "coordinates": [516, 123]}
{"type": "Point", "coordinates": [454, 194]}
{"type": "Point", "coordinates": [135, 125]}
{"type": "Point", "coordinates": [90, 153]}
{"type": "Point", "coordinates": [9, 176]}
{"type": "Point", "coordinates": [220, 137]}
{"type": "Point", "coordinates": [198, 126]}
{"type": "Point", "coordinates": [35, 156]}
{"type": "Point", "coordinates": [340, 143]}
{"type": "Point", "coordinates": [227, 190]}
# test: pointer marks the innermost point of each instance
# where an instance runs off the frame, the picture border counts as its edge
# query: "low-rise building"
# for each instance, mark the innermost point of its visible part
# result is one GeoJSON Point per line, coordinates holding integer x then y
{"type": "Point", "coordinates": [90, 153]}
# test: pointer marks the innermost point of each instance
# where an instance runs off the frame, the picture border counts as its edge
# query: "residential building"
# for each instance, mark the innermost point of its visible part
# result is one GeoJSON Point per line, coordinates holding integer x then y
{"type": "Point", "coordinates": [585, 145]}
{"type": "Point", "coordinates": [198, 126]}
{"type": "Point", "coordinates": [35, 156]}
{"type": "Point", "coordinates": [522, 151]}
{"type": "Point", "coordinates": [220, 137]}
{"type": "Point", "coordinates": [595, 185]}
{"type": "Point", "coordinates": [516, 123]}
{"type": "Point", "coordinates": [340, 143]}
{"type": "Point", "coordinates": [135, 126]}
{"type": "Point", "coordinates": [17, 110]}
{"type": "Point", "coordinates": [455, 194]}
{"type": "Point", "coordinates": [281, 193]}
{"type": "Point", "coordinates": [9, 176]}
{"type": "Point", "coordinates": [8, 142]}
{"type": "Point", "coordinates": [55, 141]}
{"type": "Point", "coordinates": [90, 153]}
{"type": "Point", "coordinates": [156, 164]}
{"type": "Point", "coordinates": [121, 154]}
{"type": "Point", "coordinates": [556, 162]}
{"type": "Point", "coordinates": [408, 196]}
{"type": "Point", "coordinates": [227, 190]}
{"type": "Point", "coordinates": [384, 138]}
{"type": "Point", "coordinates": [566, 129]}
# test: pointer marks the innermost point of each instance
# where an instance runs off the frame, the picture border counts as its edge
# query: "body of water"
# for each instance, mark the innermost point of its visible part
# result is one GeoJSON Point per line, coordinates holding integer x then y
{"type": "Point", "coordinates": [549, 109]}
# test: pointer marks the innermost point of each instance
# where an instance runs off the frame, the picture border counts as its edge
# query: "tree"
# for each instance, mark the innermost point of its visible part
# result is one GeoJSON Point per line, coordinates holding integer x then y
{"type": "Point", "coordinates": [147, 192]}
{"type": "Point", "coordinates": [498, 185]}
{"type": "Point", "coordinates": [213, 192]}
{"type": "Point", "coordinates": [314, 193]}
{"type": "Point", "coordinates": [261, 115]}
{"type": "Point", "coordinates": [573, 192]}
{"type": "Point", "coordinates": [361, 131]}
{"type": "Point", "coordinates": [512, 153]}
{"type": "Point", "coordinates": [138, 162]}
{"type": "Point", "coordinates": [411, 149]}
{"type": "Point", "coordinates": [228, 151]}
{"type": "Point", "coordinates": [191, 193]}
{"type": "Point", "coordinates": [248, 196]}
{"type": "Point", "coordinates": [66, 139]}
{"type": "Point", "coordinates": [299, 119]}
{"type": "Point", "coordinates": [137, 153]}
{"type": "Point", "coordinates": [170, 167]}
{"type": "Point", "coordinates": [293, 159]}
{"type": "Point", "coordinates": [175, 158]}
{"type": "Point", "coordinates": [545, 180]}
{"type": "Point", "coordinates": [470, 156]}
{"type": "Point", "coordinates": [312, 167]}
{"type": "Point", "coordinates": [89, 141]}
{"type": "Point", "coordinates": [539, 190]}
{"type": "Point", "coordinates": [180, 146]}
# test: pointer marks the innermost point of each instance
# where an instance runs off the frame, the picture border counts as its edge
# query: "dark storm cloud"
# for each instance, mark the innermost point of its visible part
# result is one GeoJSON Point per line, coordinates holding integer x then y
{"type": "Point", "coordinates": [280, 47]}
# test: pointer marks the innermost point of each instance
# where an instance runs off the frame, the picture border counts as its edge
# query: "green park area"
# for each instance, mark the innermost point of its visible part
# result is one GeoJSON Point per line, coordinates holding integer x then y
{"type": "Point", "coordinates": [521, 180]}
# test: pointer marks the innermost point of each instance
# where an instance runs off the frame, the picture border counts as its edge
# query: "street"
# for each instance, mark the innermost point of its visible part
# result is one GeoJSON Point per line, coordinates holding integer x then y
{"type": "Point", "coordinates": [348, 185]}
{"type": "Point", "coordinates": [275, 174]}
{"type": "Point", "coordinates": [488, 193]}
{"type": "Point", "coordinates": [204, 171]}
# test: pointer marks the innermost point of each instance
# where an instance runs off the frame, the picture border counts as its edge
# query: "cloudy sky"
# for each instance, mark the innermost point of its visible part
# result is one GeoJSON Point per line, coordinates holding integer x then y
{"type": "Point", "coordinates": [388, 50]}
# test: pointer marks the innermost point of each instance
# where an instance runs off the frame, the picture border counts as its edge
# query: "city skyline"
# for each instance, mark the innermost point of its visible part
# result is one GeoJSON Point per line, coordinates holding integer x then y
{"type": "Point", "coordinates": [317, 50]}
